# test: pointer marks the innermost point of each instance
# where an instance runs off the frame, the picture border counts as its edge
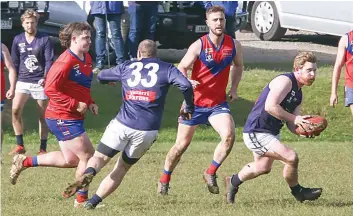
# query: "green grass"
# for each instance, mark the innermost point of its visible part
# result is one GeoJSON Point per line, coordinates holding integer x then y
{"type": "Point", "coordinates": [325, 161]}
{"type": "Point", "coordinates": [256, 76]}
{"type": "Point", "coordinates": [323, 164]}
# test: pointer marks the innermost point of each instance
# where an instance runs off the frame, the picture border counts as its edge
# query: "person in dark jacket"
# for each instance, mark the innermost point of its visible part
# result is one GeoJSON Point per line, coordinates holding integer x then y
{"type": "Point", "coordinates": [112, 11]}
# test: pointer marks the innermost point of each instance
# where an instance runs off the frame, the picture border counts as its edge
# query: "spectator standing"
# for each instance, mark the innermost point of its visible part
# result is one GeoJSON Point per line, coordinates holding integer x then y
{"type": "Point", "coordinates": [110, 11]}
{"type": "Point", "coordinates": [143, 21]}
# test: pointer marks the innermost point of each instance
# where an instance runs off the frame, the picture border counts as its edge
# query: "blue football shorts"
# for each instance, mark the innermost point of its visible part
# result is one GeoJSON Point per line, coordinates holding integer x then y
{"type": "Point", "coordinates": [348, 96]}
{"type": "Point", "coordinates": [65, 130]}
{"type": "Point", "coordinates": [201, 114]}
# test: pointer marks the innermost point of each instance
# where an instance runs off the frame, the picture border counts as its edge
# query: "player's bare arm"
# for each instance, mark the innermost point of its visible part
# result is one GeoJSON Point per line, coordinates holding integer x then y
{"type": "Point", "coordinates": [191, 55]}
{"type": "Point", "coordinates": [236, 71]}
{"type": "Point", "coordinates": [279, 88]}
{"type": "Point", "coordinates": [290, 125]}
{"type": "Point", "coordinates": [337, 69]}
{"type": "Point", "coordinates": [12, 72]}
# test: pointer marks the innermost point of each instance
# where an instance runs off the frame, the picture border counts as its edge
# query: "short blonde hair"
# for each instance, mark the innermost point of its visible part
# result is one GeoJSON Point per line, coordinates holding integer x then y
{"type": "Point", "coordinates": [214, 9]}
{"type": "Point", "coordinates": [30, 13]}
{"type": "Point", "coordinates": [303, 57]}
{"type": "Point", "coordinates": [148, 48]}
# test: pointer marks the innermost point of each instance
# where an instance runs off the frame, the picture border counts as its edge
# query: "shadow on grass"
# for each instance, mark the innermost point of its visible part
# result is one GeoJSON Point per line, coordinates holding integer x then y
{"type": "Point", "coordinates": [328, 203]}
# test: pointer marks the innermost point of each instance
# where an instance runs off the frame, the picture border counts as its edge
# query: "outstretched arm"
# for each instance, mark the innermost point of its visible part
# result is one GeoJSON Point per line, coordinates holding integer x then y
{"type": "Point", "coordinates": [110, 75]}
{"type": "Point", "coordinates": [177, 79]}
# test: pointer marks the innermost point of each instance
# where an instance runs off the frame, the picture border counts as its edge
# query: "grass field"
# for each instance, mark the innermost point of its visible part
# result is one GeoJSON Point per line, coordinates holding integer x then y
{"type": "Point", "coordinates": [325, 161]}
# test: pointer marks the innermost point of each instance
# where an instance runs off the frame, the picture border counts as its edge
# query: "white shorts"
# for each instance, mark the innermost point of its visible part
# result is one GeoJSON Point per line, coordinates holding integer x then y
{"type": "Point", "coordinates": [134, 143]}
{"type": "Point", "coordinates": [35, 90]}
{"type": "Point", "coordinates": [260, 143]}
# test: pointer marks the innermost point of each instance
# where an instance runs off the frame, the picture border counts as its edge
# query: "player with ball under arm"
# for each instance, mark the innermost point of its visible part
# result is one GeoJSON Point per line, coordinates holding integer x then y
{"type": "Point", "coordinates": [280, 101]}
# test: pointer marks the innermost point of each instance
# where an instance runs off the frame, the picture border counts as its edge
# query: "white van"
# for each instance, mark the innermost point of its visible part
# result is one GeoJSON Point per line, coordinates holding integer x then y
{"type": "Point", "coordinates": [271, 19]}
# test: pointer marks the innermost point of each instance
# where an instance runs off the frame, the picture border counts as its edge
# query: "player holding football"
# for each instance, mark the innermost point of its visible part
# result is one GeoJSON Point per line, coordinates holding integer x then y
{"type": "Point", "coordinates": [145, 83]}
{"type": "Point", "coordinates": [6, 61]}
{"type": "Point", "coordinates": [32, 54]}
{"type": "Point", "coordinates": [279, 102]}
{"type": "Point", "coordinates": [210, 58]}
{"type": "Point", "coordinates": [68, 86]}
{"type": "Point", "coordinates": [344, 57]}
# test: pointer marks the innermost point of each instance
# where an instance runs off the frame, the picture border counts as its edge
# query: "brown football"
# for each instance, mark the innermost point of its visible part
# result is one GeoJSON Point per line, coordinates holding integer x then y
{"type": "Point", "coordinates": [318, 124]}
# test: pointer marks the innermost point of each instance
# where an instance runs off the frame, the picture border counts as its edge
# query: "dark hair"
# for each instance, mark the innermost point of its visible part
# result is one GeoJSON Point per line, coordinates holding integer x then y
{"type": "Point", "coordinates": [74, 28]}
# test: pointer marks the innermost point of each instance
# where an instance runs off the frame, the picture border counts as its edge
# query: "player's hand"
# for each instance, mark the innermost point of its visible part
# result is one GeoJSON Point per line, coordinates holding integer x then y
{"type": "Point", "coordinates": [111, 84]}
{"type": "Point", "coordinates": [82, 108]}
{"type": "Point", "coordinates": [333, 99]}
{"type": "Point", "coordinates": [10, 93]}
{"type": "Point", "coordinates": [185, 114]}
{"type": "Point", "coordinates": [300, 121]}
{"type": "Point", "coordinates": [93, 108]}
{"type": "Point", "coordinates": [194, 83]}
{"type": "Point", "coordinates": [233, 95]}
{"type": "Point", "coordinates": [41, 82]}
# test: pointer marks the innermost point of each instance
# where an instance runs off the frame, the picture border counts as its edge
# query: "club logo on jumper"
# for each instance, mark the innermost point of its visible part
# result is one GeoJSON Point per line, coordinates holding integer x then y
{"type": "Point", "coordinates": [77, 70]}
{"type": "Point", "coordinates": [209, 57]}
{"type": "Point", "coordinates": [140, 95]}
{"type": "Point", "coordinates": [227, 53]}
{"type": "Point", "coordinates": [292, 95]}
{"type": "Point", "coordinates": [22, 47]}
{"type": "Point", "coordinates": [31, 63]}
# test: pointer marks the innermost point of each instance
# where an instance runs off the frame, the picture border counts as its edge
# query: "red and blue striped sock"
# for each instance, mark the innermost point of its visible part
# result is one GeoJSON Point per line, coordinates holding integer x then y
{"type": "Point", "coordinates": [30, 161]}
{"type": "Point", "coordinates": [212, 169]}
{"type": "Point", "coordinates": [82, 195]}
{"type": "Point", "coordinates": [166, 176]}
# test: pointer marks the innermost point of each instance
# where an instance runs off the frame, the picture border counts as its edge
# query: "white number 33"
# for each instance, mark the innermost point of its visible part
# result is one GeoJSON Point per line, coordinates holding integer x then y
{"type": "Point", "coordinates": [148, 82]}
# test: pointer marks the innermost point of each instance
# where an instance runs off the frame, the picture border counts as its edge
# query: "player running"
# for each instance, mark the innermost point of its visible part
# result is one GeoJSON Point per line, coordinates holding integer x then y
{"type": "Point", "coordinates": [211, 58]}
{"type": "Point", "coordinates": [68, 87]}
{"type": "Point", "coordinates": [344, 57]}
{"type": "Point", "coordinates": [6, 61]}
{"type": "Point", "coordinates": [32, 54]}
{"type": "Point", "coordinates": [279, 102]}
{"type": "Point", "coordinates": [145, 83]}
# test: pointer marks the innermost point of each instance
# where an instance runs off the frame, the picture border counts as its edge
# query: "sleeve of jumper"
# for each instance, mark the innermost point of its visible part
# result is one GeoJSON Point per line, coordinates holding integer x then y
{"type": "Point", "coordinates": [55, 81]}
{"type": "Point", "coordinates": [176, 78]}
{"type": "Point", "coordinates": [48, 55]}
{"type": "Point", "coordinates": [111, 74]}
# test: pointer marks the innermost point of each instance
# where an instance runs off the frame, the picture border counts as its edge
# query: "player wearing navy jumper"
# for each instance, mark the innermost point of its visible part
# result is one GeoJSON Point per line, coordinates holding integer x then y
{"type": "Point", "coordinates": [210, 58]}
{"type": "Point", "coordinates": [279, 102]}
{"type": "Point", "coordinates": [68, 87]}
{"type": "Point", "coordinates": [145, 84]}
{"type": "Point", "coordinates": [32, 54]}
